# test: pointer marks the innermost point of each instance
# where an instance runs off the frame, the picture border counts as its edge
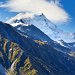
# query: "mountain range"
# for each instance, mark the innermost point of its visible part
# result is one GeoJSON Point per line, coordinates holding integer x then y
{"type": "Point", "coordinates": [30, 44]}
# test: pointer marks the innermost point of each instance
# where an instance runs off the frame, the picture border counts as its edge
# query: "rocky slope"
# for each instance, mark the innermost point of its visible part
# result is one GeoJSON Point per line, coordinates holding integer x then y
{"type": "Point", "coordinates": [11, 61]}
{"type": "Point", "coordinates": [21, 55]}
{"type": "Point", "coordinates": [36, 34]}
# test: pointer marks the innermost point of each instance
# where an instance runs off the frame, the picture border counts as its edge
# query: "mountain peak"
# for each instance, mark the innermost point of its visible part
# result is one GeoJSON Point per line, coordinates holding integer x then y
{"type": "Point", "coordinates": [21, 16]}
{"type": "Point", "coordinates": [42, 23]}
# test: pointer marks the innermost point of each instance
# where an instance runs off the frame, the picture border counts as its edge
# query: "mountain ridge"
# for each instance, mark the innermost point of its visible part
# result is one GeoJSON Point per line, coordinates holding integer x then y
{"type": "Point", "coordinates": [45, 25]}
{"type": "Point", "coordinates": [44, 58]}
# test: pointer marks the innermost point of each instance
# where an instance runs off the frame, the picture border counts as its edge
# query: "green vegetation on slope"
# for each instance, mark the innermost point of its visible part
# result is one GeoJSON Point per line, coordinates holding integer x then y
{"type": "Point", "coordinates": [10, 54]}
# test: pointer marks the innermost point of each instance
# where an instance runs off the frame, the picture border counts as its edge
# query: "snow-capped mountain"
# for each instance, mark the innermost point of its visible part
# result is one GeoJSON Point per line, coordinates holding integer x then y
{"type": "Point", "coordinates": [36, 34]}
{"type": "Point", "coordinates": [45, 25]}
{"type": "Point", "coordinates": [67, 45]}
{"type": "Point", "coordinates": [33, 32]}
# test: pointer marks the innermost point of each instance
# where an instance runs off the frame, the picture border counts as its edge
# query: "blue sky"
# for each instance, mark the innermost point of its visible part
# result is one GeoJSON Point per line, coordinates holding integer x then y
{"type": "Point", "coordinates": [68, 5]}
{"type": "Point", "coordinates": [5, 14]}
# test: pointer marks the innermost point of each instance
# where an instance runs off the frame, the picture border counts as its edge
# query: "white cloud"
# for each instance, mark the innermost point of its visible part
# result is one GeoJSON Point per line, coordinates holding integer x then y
{"type": "Point", "coordinates": [52, 10]}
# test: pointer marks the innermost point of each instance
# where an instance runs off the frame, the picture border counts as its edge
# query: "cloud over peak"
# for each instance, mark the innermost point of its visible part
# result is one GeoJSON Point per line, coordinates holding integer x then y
{"type": "Point", "coordinates": [50, 8]}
